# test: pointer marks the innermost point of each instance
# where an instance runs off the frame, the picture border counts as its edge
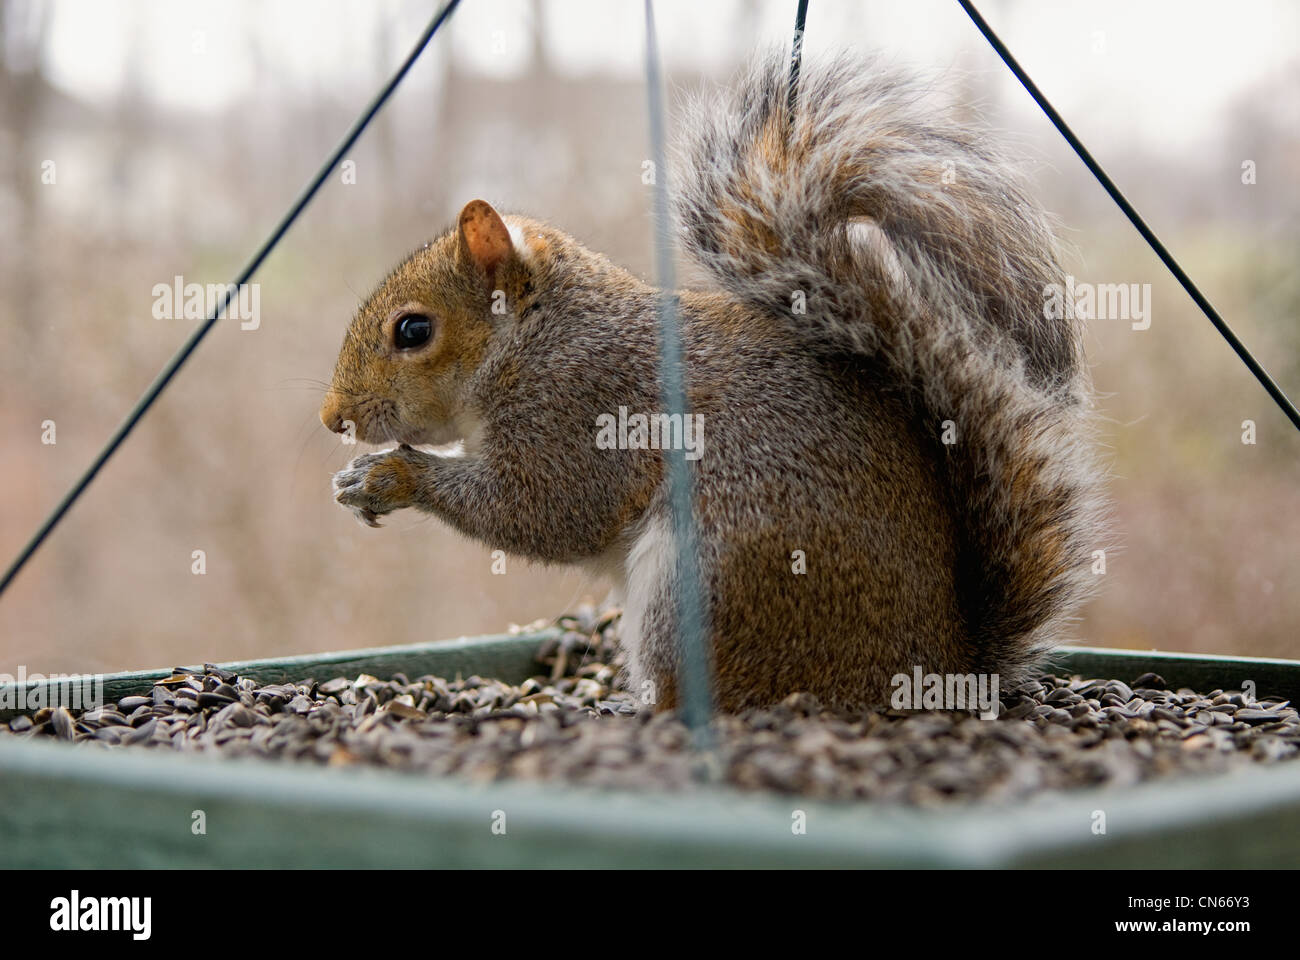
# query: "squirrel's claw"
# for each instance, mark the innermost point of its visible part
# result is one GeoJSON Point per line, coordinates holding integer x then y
{"type": "Point", "coordinates": [374, 484]}
{"type": "Point", "coordinates": [366, 517]}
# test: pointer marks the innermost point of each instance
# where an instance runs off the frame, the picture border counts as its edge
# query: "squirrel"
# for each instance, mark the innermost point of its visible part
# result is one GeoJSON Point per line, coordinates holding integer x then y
{"type": "Point", "coordinates": [897, 467]}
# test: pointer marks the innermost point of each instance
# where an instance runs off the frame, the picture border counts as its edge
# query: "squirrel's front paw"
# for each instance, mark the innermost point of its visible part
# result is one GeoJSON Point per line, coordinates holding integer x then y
{"type": "Point", "coordinates": [378, 483]}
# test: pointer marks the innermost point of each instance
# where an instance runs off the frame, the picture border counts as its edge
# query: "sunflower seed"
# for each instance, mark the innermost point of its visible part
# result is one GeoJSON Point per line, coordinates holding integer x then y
{"type": "Point", "coordinates": [571, 722]}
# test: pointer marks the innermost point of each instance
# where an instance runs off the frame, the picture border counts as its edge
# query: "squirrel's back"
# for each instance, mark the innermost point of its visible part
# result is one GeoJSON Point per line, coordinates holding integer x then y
{"type": "Point", "coordinates": [898, 246]}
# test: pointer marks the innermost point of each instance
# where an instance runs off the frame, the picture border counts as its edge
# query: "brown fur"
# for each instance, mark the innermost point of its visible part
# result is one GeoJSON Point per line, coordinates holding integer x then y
{"type": "Point", "coordinates": [821, 430]}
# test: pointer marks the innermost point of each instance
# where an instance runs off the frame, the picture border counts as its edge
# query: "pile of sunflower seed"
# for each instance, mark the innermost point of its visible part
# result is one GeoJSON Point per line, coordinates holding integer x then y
{"type": "Point", "coordinates": [571, 723]}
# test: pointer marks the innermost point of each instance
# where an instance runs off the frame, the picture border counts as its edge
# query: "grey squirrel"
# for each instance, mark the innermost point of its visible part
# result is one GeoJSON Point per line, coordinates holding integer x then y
{"type": "Point", "coordinates": [897, 466]}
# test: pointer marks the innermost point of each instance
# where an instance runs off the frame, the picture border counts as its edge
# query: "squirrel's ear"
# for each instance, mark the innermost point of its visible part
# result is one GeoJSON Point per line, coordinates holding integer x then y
{"type": "Point", "coordinates": [484, 239]}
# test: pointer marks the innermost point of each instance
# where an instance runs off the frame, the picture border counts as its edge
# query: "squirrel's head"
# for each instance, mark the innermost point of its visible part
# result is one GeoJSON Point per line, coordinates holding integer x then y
{"type": "Point", "coordinates": [417, 340]}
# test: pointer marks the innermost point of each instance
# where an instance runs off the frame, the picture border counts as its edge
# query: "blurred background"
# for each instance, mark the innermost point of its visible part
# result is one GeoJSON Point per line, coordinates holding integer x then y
{"type": "Point", "coordinates": [143, 139]}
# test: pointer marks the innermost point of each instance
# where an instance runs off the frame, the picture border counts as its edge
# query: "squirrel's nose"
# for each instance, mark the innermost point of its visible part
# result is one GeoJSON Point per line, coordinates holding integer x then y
{"type": "Point", "coordinates": [331, 413]}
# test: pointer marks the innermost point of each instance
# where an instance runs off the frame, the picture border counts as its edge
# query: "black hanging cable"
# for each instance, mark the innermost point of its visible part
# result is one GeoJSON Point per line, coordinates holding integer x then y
{"type": "Point", "coordinates": [177, 361]}
{"type": "Point", "coordinates": [695, 680]}
{"type": "Point", "coordinates": [1274, 391]}
{"type": "Point", "coordinates": [796, 55]}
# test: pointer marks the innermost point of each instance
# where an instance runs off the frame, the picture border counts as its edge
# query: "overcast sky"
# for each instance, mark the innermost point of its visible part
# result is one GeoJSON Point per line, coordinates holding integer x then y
{"type": "Point", "coordinates": [1161, 70]}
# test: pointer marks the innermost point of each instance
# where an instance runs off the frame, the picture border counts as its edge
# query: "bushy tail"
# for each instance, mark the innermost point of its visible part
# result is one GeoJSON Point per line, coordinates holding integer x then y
{"type": "Point", "coordinates": [904, 236]}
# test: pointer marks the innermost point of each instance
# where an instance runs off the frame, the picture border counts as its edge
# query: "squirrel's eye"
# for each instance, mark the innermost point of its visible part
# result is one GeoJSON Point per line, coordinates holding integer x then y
{"type": "Point", "coordinates": [412, 331]}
